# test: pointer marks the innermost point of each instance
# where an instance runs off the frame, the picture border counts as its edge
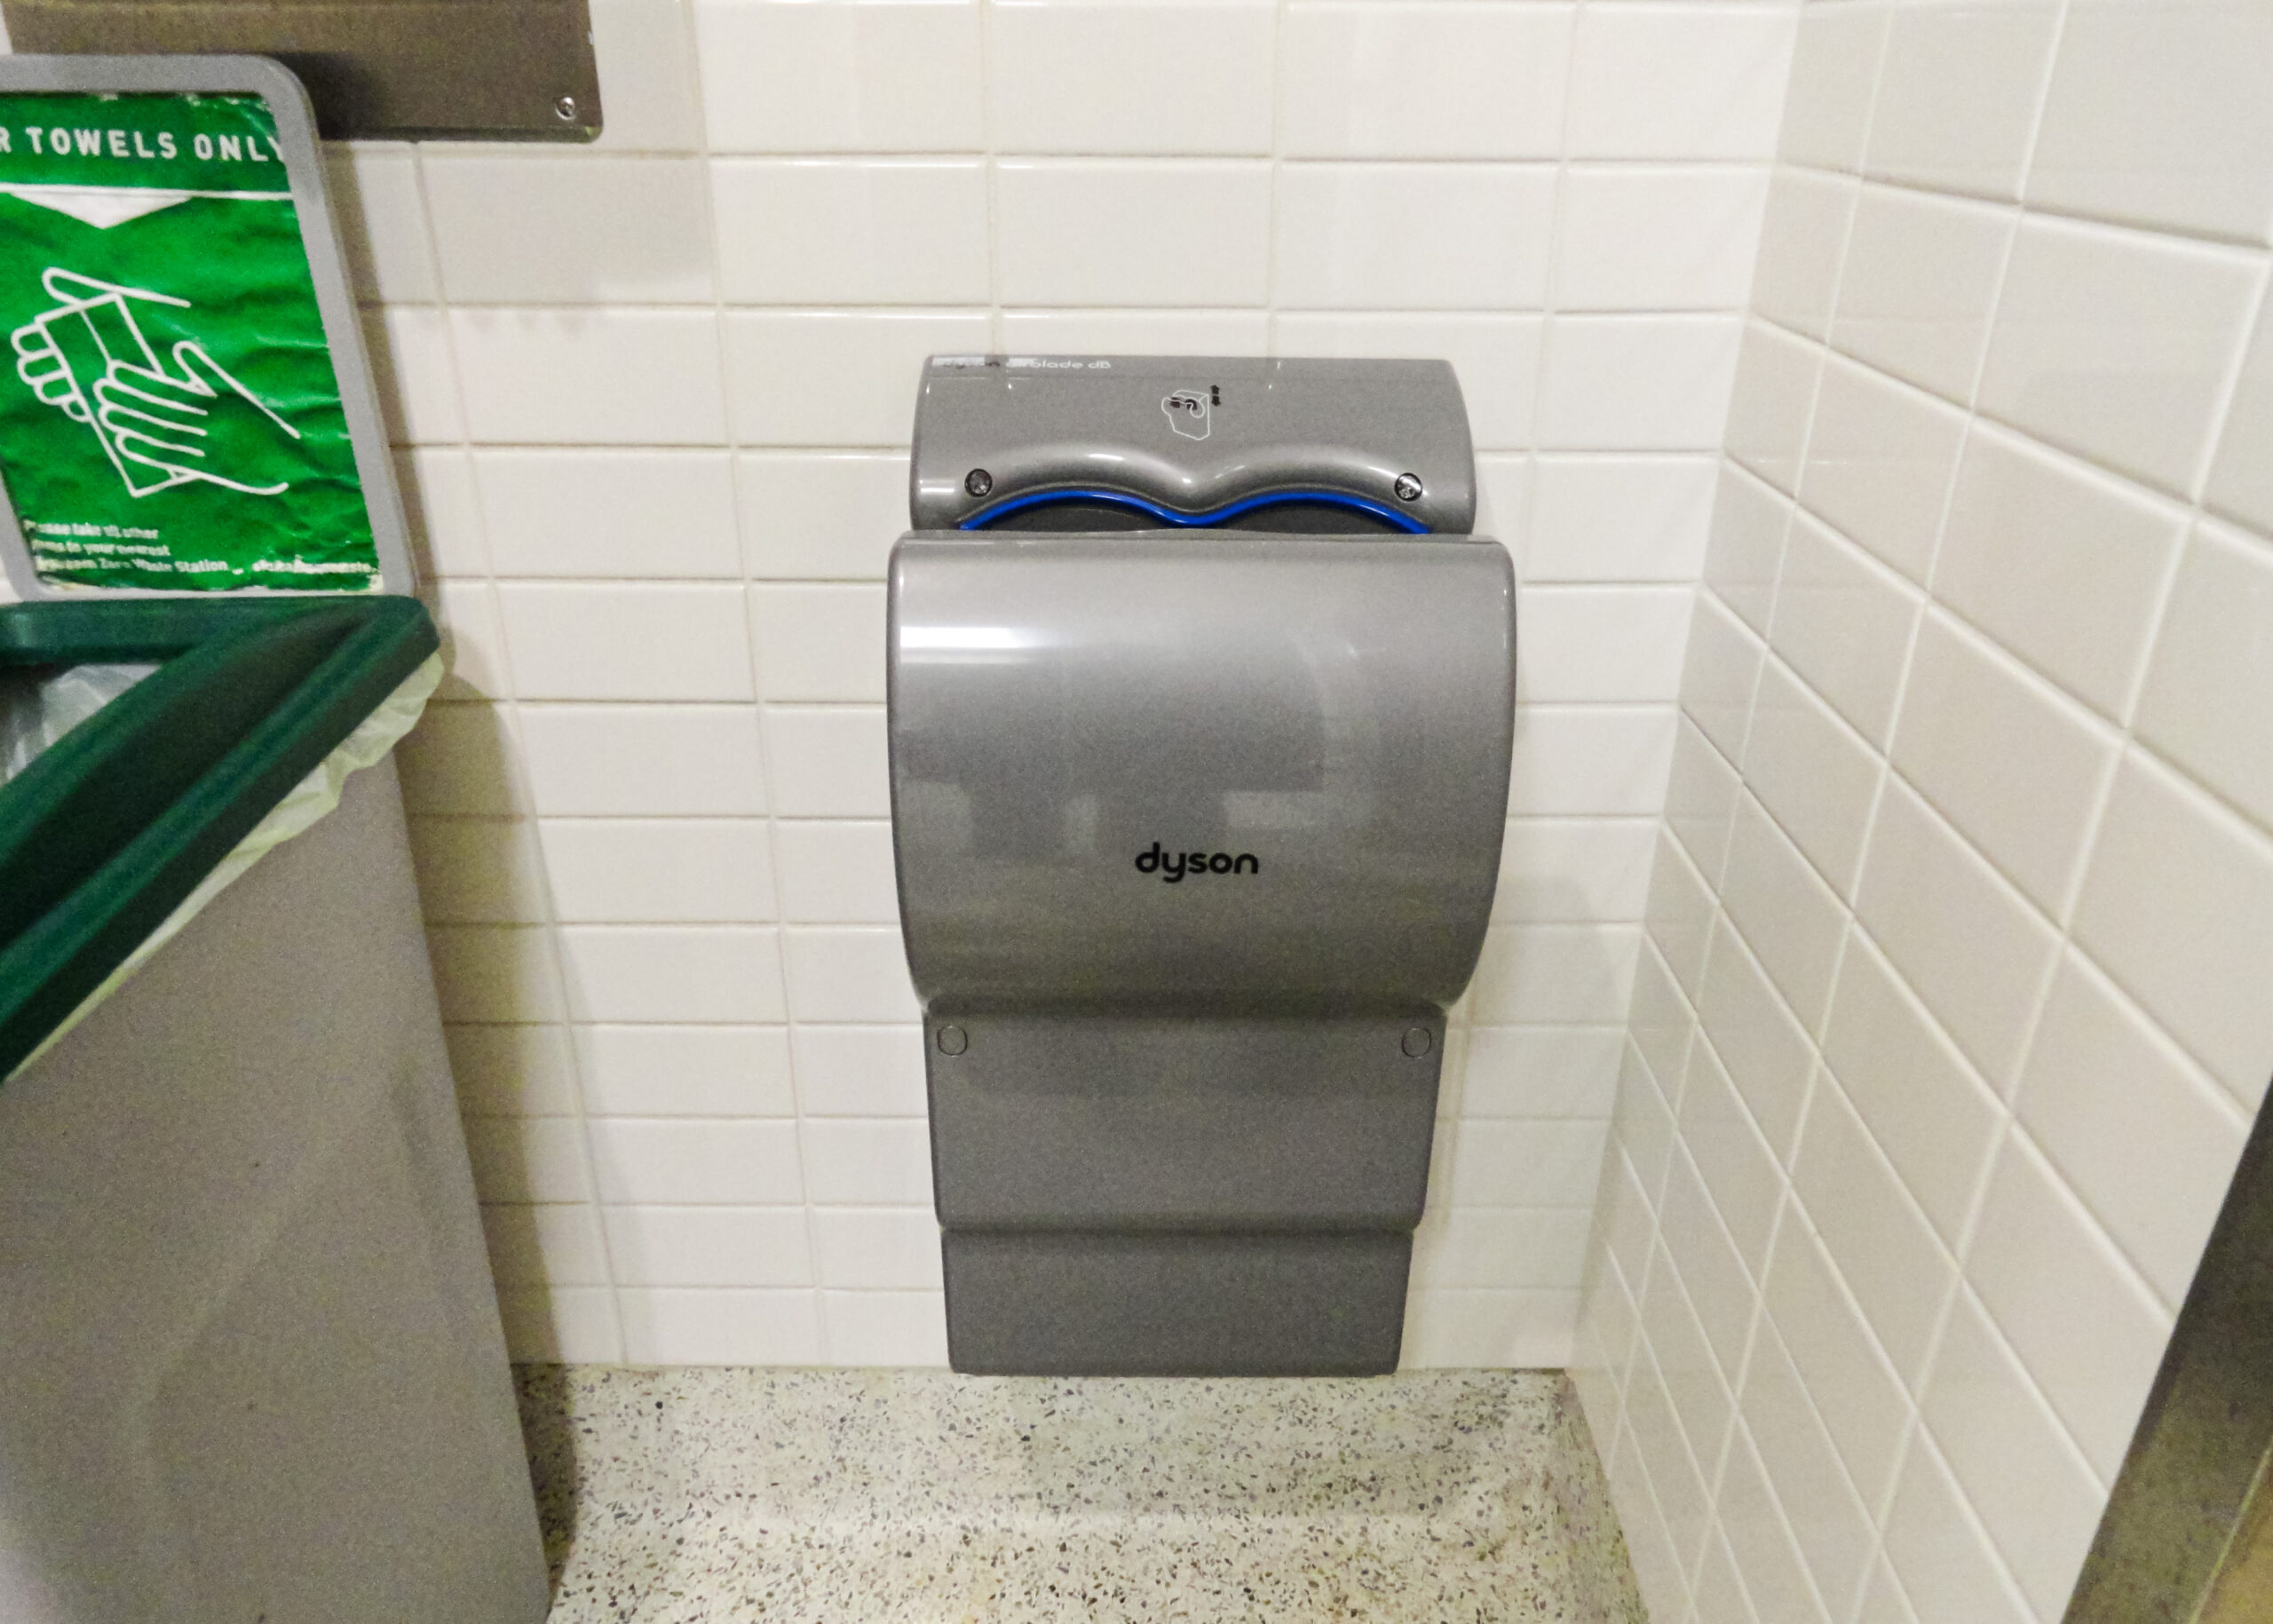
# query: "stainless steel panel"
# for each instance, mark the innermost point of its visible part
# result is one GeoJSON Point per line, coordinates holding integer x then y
{"type": "Point", "coordinates": [1324, 722]}
{"type": "Point", "coordinates": [497, 69]}
{"type": "Point", "coordinates": [1192, 434]}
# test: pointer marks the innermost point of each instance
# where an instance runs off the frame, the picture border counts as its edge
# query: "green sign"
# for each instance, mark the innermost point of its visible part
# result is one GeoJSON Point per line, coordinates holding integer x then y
{"type": "Point", "coordinates": [172, 419]}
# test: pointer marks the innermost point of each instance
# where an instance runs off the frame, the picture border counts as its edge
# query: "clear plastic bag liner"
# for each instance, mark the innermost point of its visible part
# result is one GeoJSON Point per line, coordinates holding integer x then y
{"type": "Point", "coordinates": [37, 709]}
{"type": "Point", "coordinates": [314, 798]}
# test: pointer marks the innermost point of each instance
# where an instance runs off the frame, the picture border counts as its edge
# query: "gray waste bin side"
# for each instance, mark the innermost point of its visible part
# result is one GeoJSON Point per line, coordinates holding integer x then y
{"type": "Point", "coordinates": [250, 1363]}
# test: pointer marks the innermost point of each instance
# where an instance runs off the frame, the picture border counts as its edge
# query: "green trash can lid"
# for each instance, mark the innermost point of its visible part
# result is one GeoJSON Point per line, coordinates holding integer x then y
{"type": "Point", "coordinates": [186, 405]}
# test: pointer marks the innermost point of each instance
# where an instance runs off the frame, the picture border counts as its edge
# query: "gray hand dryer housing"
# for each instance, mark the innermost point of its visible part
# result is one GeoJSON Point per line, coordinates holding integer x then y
{"type": "Point", "coordinates": [1197, 827]}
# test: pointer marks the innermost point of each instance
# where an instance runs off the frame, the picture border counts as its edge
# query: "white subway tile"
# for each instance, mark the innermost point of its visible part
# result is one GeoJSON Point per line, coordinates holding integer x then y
{"type": "Point", "coordinates": [1801, 242]}
{"type": "Point", "coordinates": [2117, 345]}
{"type": "Point", "coordinates": [495, 973]}
{"type": "Point", "coordinates": [1736, 1163]}
{"type": "Point", "coordinates": [1834, 72]}
{"type": "Point", "coordinates": [1701, 800]}
{"type": "Point", "coordinates": [1132, 232]}
{"type": "Point", "coordinates": [1922, 273]}
{"type": "Point", "coordinates": [590, 376]}
{"type": "Point", "coordinates": [877, 1248]}
{"type": "Point", "coordinates": [465, 614]}
{"type": "Point", "coordinates": [1843, 623]}
{"type": "Point", "coordinates": [1104, 77]}
{"type": "Point", "coordinates": [860, 1071]}
{"type": "Point", "coordinates": [835, 377]}
{"type": "Point", "coordinates": [864, 1162]}
{"type": "Point", "coordinates": [1677, 238]}
{"type": "Point", "coordinates": [1694, 1391]}
{"type": "Point", "coordinates": [626, 640]}
{"type": "Point", "coordinates": [527, 1159]}
{"type": "Point", "coordinates": [1591, 760]}
{"type": "Point", "coordinates": [2016, 765]}
{"type": "Point", "coordinates": [1541, 1247]}
{"type": "Point", "coordinates": [1642, 1133]}
{"type": "Point", "coordinates": [438, 505]}
{"type": "Point", "coordinates": [1958, 94]}
{"type": "Point", "coordinates": [1959, 931]}
{"type": "Point", "coordinates": [2084, 1325]}
{"type": "Point", "coordinates": [708, 1246]}
{"type": "Point", "coordinates": [1941, 1553]}
{"type": "Point", "coordinates": [1462, 1330]}
{"type": "Point", "coordinates": [1885, 1250]}
{"type": "Point", "coordinates": [1137, 332]}
{"type": "Point", "coordinates": [1627, 1222]}
{"type": "Point", "coordinates": [1619, 519]}
{"type": "Point", "coordinates": [1883, 1601]}
{"type": "Point", "coordinates": [1511, 1163]}
{"type": "Point", "coordinates": [413, 374]}
{"type": "Point", "coordinates": [1719, 675]}
{"type": "Point", "coordinates": [1602, 644]}
{"type": "Point", "coordinates": [898, 1329]}
{"type": "Point", "coordinates": [671, 973]}
{"type": "Point", "coordinates": [2032, 1489]}
{"type": "Point", "coordinates": [849, 974]}
{"type": "Point", "coordinates": [715, 1162]}
{"type": "Point", "coordinates": [870, 232]}
{"type": "Point", "coordinates": [1789, 916]}
{"type": "Point", "coordinates": [1770, 400]}
{"type": "Point", "coordinates": [1880, 458]}
{"type": "Point", "coordinates": [1677, 82]}
{"type": "Point", "coordinates": [677, 1326]}
{"type": "Point", "coordinates": [1557, 870]}
{"type": "Point", "coordinates": [1814, 775]}
{"type": "Point", "coordinates": [2061, 564]}
{"type": "Point", "coordinates": [1494, 357]}
{"type": "Point", "coordinates": [815, 516]}
{"type": "Point", "coordinates": [837, 872]}
{"type": "Point", "coordinates": [1759, 1538]}
{"type": "Point", "coordinates": [1561, 973]}
{"type": "Point", "coordinates": [818, 642]}
{"type": "Point", "coordinates": [1679, 916]}
{"type": "Point", "coordinates": [2146, 1140]}
{"type": "Point", "coordinates": [541, 228]}
{"type": "Point", "coordinates": [1642, 383]}
{"type": "Point", "coordinates": [829, 761]}
{"type": "Point", "coordinates": [1831, 1524]}
{"type": "Point", "coordinates": [2241, 480]}
{"type": "Point", "coordinates": [840, 76]}
{"type": "Point", "coordinates": [658, 870]}
{"type": "Point", "coordinates": [512, 1070]}
{"type": "Point", "coordinates": [1766, 1052]}
{"type": "Point", "coordinates": [1745, 551]}
{"type": "Point", "coordinates": [551, 1243]}
{"type": "Point", "coordinates": [650, 760]}
{"type": "Point", "coordinates": [574, 1325]}
{"type": "Point", "coordinates": [1935, 1119]}
{"type": "Point", "coordinates": [382, 223]}
{"type": "Point", "coordinates": [1861, 1401]}
{"type": "Point", "coordinates": [1541, 1071]}
{"type": "Point", "coordinates": [685, 1071]}
{"type": "Point", "coordinates": [2156, 115]}
{"type": "Point", "coordinates": [2178, 905]}
{"type": "Point", "coordinates": [1332, 252]}
{"type": "Point", "coordinates": [1657, 1567]}
{"type": "Point", "coordinates": [477, 871]}
{"type": "Point", "coordinates": [1684, 1499]}
{"type": "Point", "coordinates": [1467, 81]}
{"type": "Point", "coordinates": [2211, 684]}
{"type": "Point", "coordinates": [626, 514]}
{"type": "Point", "coordinates": [647, 63]}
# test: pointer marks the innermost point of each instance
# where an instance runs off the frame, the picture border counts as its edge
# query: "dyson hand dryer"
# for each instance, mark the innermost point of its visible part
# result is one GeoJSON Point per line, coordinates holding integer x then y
{"type": "Point", "coordinates": [1202, 695]}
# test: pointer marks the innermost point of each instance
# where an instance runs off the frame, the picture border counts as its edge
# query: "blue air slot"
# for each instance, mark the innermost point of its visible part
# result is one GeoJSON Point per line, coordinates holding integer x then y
{"type": "Point", "coordinates": [1213, 516]}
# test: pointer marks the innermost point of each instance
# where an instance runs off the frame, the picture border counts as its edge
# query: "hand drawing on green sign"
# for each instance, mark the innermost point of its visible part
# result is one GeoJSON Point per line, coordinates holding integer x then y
{"type": "Point", "coordinates": [158, 429]}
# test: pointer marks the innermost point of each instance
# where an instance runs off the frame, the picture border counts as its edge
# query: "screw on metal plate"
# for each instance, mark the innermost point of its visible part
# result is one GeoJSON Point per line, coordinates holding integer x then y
{"type": "Point", "coordinates": [565, 109]}
{"type": "Point", "coordinates": [979, 481]}
{"type": "Point", "coordinates": [954, 1040]}
{"type": "Point", "coordinates": [1408, 488]}
{"type": "Point", "coordinates": [1417, 1041]}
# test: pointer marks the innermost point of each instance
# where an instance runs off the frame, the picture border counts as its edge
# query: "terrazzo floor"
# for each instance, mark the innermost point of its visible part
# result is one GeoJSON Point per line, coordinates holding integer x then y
{"type": "Point", "coordinates": [705, 1496]}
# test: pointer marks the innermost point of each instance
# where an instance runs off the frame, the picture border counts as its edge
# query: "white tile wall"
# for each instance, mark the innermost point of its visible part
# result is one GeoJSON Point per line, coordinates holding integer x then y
{"type": "Point", "coordinates": [655, 399]}
{"type": "Point", "coordinates": [1949, 1023]}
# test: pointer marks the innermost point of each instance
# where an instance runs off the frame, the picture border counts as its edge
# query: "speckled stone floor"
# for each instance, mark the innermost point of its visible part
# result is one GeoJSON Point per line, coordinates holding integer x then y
{"type": "Point", "coordinates": [823, 1497]}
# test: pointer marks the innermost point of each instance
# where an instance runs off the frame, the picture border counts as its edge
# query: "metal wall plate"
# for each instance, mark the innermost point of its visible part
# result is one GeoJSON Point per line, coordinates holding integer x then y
{"type": "Point", "coordinates": [492, 69]}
